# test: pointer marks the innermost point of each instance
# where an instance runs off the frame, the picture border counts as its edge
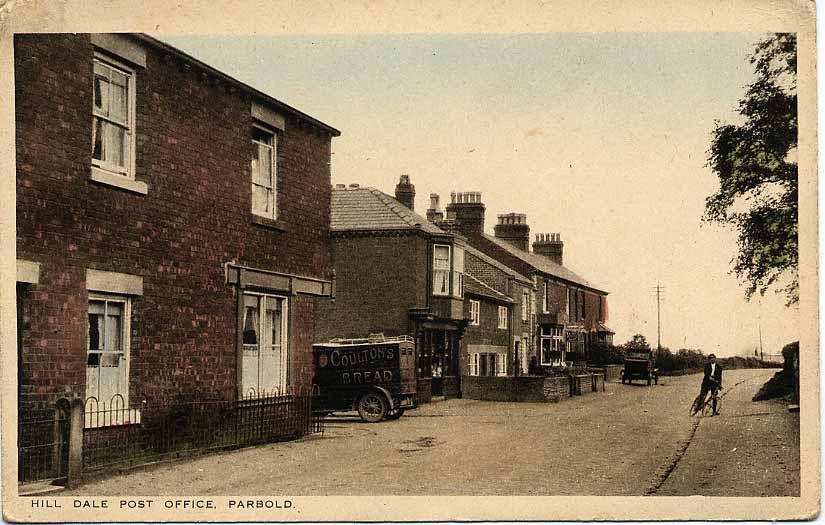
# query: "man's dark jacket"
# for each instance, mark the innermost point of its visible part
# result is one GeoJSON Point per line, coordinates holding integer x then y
{"type": "Point", "coordinates": [717, 375]}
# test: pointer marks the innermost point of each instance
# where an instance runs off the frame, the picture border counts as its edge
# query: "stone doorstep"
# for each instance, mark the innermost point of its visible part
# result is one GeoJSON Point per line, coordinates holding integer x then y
{"type": "Point", "coordinates": [39, 488]}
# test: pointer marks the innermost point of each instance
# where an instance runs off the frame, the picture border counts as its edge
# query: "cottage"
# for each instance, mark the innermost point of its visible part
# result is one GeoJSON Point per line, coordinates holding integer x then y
{"type": "Point", "coordinates": [396, 273]}
{"type": "Point", "coordinates": [172, 227]}
{"type": "Point", "coordinates": [567, 314]}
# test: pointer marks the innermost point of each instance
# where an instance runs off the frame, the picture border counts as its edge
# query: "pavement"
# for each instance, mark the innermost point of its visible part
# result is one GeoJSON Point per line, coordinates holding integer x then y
{"type": "Point", "coordinates": [628, 440]}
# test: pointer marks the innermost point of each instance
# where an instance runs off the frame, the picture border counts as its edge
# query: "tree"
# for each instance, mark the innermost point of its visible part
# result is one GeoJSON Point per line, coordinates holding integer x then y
{"type": "Point", "coordinates": [755, 162]}
{"type": "Point", "coordinates": [638, 342]}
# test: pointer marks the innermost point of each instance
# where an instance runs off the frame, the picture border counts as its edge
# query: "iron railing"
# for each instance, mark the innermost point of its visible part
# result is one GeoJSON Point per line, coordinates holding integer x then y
{"type": "Point", "coordinates": [119, 435]}
{"type": "Point", "coordinates": [42, 446]}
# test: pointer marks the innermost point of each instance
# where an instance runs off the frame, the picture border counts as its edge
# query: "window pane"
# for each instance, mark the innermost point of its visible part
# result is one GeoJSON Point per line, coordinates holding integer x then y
{"type": "Point", "coordinates": [250, 327]}
{"type": "Point", "coordinates": [261, 201]}
{"type": "Point", "coordinates": [101, 92]}
{"type": "Point", "coordinates": [119, 103]}
{"type": "Point", "coordinates": [262, 136]}
{"type": "Point", "coordinates": [114, 144]}
{"type": "Point", "coordinates": [264, 172]}
{"type": "Point", "coordinates": [114, 328]}
{"type": "Point", "coordinates": [97, 139]}
{"type": "Point", "coordinates": [95, 331]}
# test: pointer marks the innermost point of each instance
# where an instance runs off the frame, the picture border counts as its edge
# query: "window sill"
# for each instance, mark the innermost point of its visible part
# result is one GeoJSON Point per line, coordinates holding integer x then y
{"type": "Point", "coordinates": [266, 222]}
{"type": "Point", "coordinates": [119, 181]}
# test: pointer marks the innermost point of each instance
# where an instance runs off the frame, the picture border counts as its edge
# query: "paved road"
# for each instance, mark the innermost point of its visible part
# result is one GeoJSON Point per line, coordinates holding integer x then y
{"type": "Point", "coordinates": [620, 442]}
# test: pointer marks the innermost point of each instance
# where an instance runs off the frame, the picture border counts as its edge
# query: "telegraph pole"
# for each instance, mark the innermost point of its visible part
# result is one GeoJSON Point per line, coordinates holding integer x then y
{"type": "Point", "coordinates": [659, 292]}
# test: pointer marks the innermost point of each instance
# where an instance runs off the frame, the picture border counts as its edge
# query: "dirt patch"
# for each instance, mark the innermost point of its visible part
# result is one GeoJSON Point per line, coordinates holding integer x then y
{"type": "Point", "coordinates": [418, 445]}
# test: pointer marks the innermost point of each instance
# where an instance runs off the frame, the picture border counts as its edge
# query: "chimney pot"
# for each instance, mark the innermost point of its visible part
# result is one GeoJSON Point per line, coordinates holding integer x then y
{"type": "Point", "coordinates": [353, 185]}
{"type": "Point", "coordinates": [405, 192]}
{"type": "Point", "coordinates": [340, 186]}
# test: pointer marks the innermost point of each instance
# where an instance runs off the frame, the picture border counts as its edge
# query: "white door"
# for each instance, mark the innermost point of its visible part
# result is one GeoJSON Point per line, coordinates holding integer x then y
{"type": "Point", "coordinates": [107, 363]}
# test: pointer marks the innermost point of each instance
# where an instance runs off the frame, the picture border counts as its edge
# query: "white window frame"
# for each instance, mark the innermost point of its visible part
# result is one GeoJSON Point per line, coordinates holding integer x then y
{"type": "Point", "coordinates": [127, 171]}
{"type": "Point", "coordinates": [525, 305]}
{"type": "Point", "coordinates": [556, 337]}
{"type": "Point", "coordinates": [283, 380]}
{"type": "Point", "coordinates": [502, 317]}
{"type": "Point", "coordinates": [447, 270]}
{"type": "Point", "coordinates": [473, 362]}
{"type": "Point", "coordinates": [109, 412]}
{"type": "Point", "coordinates": [272, 199]}
{"type": "Point", "coordinates": [545, 307]}
{"type": "Point", "coordinates": [475, 312]}
{"type": "Point", "coordinates": [457, 280]}
{"type": "Point", "coordinates": [501, 365]}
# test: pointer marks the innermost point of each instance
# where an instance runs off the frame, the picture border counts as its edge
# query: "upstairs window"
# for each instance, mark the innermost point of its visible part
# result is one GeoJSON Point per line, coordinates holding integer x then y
{"type": "Point", "coordinates": [502, 317]}
{"type": "Point", "coordinates": [525, 304]}
{"type": "Point", "coordinates": [441, 269]}
{"type": "Point", "coordinates": [264, 172]}
{"type": "Point", "coordinates": [458, 272]}
{"type": "Point", "coordinates": [475, 312]}
{"type": "Point", "coordinates": [546, 305]}
{"type": "Point", "coordinates": [113, 115]}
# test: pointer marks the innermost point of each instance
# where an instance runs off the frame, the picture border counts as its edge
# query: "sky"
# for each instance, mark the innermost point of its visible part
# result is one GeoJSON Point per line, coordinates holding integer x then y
{"type": "Point", "coordinates": [601, 137]}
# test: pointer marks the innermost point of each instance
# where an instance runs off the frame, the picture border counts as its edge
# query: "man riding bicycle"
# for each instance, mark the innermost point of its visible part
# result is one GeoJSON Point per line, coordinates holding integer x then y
{"type": "Point", "coordinates": [711, 382]}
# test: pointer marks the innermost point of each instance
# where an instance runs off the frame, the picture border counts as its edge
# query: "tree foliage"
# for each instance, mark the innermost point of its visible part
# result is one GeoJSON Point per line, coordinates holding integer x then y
{"type": "Point", "coordinates": [637, 342]}
{"type": "Point", "coordinates": [755, 162]}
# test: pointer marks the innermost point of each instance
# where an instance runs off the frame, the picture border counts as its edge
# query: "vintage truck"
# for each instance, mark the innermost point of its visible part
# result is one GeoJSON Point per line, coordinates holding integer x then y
{"type": "Point", "coordinates": [640, 364]}
{"type": "Point", "coordinates": [375, 376]}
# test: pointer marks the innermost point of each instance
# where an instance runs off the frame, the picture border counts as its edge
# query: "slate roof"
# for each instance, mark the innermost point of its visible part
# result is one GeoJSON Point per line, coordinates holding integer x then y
{"type": "Point", "coordinates": [367, 209]}
{"type": "Point", "coordinates": [543, 264]}
{"type": "Point", "coordinates": [474, 286]}
{"type": "Point", "coordinates": [497, 264]}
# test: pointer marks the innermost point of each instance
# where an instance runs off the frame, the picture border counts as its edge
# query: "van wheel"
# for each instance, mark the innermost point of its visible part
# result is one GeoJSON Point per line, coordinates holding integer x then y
{"type": "Point", "coordinates": [372, 407]}
{"type": "Point", "coordinates": [395, 414]}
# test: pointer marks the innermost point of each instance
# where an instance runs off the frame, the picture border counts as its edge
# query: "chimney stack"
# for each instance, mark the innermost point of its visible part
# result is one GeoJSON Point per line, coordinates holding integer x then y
{"type": "Point", "coordinates": [467, 210]}
{"type": "Point", "coordinates": [549, 245]}
{"type": "Point", "coordinates": [513, 229]}
{"type": "Point", "coordinates": [405, 192]}
{"type": "Point", "coordinates": [434, 213]}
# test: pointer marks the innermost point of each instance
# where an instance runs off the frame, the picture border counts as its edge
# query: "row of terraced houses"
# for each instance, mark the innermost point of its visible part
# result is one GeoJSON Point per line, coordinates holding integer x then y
{"type": "Point", "coordinates": [178, 234]}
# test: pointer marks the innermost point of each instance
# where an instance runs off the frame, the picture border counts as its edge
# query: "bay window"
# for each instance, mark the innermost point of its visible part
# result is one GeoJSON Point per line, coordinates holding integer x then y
{"type": "Point", "coordinates": [441, 269]}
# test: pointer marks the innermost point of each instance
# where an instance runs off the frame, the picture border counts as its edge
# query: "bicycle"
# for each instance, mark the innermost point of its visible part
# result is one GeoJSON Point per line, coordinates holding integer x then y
{"type": "Point", "coordinates": [705, 406]}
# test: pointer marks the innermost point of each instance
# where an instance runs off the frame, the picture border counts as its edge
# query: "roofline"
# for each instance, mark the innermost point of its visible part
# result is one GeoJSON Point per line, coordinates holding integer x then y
{"type": "Point", "coordinates": [231, 80]}
{"type": "Point", "coordinates": [523, 279]}
{"type": "Point", "coordinates": [539, 270]}
{"type": "Point", "coordinates": [506, 298]}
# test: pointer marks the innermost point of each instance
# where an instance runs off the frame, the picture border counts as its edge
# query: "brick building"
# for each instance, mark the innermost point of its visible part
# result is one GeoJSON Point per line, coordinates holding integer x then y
{"type": "Point", "coordinates": [567, 314]}
{"type": "Point", "coordinates": [398, 274]}
{"type": "Point", "coordinates": [172, 225]}
{"type": "Point", "coordinates": [497, 340]}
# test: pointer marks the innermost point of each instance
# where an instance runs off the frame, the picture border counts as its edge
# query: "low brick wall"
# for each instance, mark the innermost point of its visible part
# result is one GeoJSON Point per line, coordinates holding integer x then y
{"type": "Point", "coordinates": [534, 389]}
{"type": "Point", "coordinates": [451, 386]}
{"type": "Point", "coordinates": [425, 393]}
{"type": "Point", "coordinates": [556, 388]}
{"type": "Point", "coordinates": [581, 384]}
{"type": "Point", "coordinates": [612, 372]}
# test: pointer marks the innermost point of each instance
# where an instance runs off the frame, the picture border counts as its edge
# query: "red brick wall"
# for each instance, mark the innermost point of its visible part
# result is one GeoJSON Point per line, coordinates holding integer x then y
{"type": "Point", "coordinates": [378, 278]}
{"type": "Point", "coordinates": [193, 150]}
{"type": "Point", "coordinates": [486, 333]}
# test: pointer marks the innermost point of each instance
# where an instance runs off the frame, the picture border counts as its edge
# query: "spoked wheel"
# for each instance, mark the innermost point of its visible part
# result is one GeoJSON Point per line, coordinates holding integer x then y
{"type": "Point", "coordinates": [372, 407]}
{"type": "Point", "coordinates": [395, 414]}
{"type": "Point", "coordinates": [694, 407]}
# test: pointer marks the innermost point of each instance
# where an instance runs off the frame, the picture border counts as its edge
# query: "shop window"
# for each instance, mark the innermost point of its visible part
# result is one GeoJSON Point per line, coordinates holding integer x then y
{"type": "Point", "coordinates": [265, 345]}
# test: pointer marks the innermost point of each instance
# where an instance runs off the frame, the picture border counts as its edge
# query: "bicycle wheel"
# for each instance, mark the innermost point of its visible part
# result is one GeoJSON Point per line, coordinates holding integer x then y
{"type": "Point", "coordinates": [694, 407]}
